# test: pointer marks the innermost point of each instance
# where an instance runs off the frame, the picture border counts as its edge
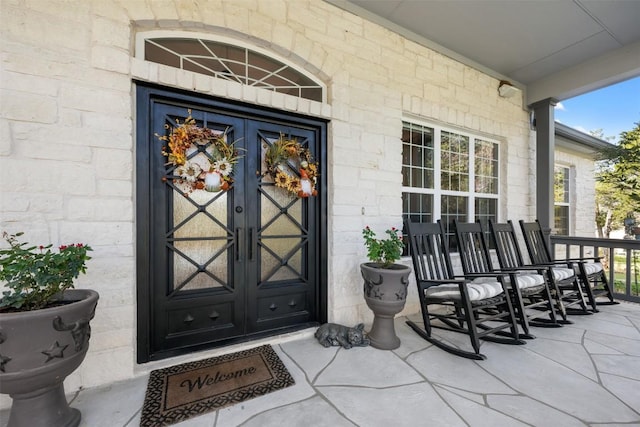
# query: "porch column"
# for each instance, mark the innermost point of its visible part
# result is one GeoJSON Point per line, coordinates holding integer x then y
{"type": "Point", "coordinates": [545, 146]}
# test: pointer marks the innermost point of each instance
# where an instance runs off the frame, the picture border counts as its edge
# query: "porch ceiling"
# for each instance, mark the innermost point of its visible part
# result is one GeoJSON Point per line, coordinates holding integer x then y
{"type": "Point", "coordinates": [552, 49]}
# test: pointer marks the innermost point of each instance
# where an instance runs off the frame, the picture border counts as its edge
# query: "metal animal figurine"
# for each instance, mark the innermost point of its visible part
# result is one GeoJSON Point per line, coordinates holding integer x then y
{"type": "Point", "coordinates": [332, 334]}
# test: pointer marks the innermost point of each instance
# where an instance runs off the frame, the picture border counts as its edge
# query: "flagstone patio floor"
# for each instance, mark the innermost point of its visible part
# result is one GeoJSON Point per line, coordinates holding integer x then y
{"type": "Point", "coordinates": [587, 373]}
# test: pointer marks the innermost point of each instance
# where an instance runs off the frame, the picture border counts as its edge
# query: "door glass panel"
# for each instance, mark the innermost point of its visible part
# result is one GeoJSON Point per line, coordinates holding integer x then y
{"type": "Point", "coordinates": [198, 238]}
{"type": "Point", "coordinates": [200, 255]}
{"type": "Point", "coordinates": [274, 252]}
{"type": "Point", "coordinates": [274, 220]}
{"type": "Point", "coordinates": [282, 233]}
{"type": "Point", "coordinates": [191, 223]}
{"type": "Point", "coordinates": [277, 223]}
{"type": "Point", "coordinates": [186, 275]}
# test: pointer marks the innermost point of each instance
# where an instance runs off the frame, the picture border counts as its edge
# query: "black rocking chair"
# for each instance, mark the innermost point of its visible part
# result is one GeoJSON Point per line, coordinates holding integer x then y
{"type": "Point", "coordinates": [589, 269]}
{"type": "Point", "coordinates": [531, 298]}
{"type": "Point", "coordinates": [563, 281]}
{"type": "Point", "coordinates": [462, 304]}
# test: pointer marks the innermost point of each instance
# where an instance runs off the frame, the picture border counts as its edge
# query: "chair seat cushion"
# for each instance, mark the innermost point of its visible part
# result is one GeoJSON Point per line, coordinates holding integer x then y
{"type": "Point", "coordinates": [525, 279]}
{"type": "Point", "coordinates": [477, 291]}
{"type": "Point", "coordinates": [590, 268]}
{"type": "Point", "coordinates": [528, 280]}
{"type": "Point", "coordinates": [560, 273]}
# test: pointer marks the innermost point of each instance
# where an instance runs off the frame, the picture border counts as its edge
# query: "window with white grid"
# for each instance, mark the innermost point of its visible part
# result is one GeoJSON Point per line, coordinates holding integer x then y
{"type": "Point", "coordinates": [561, 204]}
{"type": "Point", "coordinates": [449, 174]}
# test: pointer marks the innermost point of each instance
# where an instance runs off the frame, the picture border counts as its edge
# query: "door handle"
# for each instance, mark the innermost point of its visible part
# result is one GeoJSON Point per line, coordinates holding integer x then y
{"type": "Point", "coordinates": [238, 244]}
{"type": "Point", "coordinates": [251, 244]}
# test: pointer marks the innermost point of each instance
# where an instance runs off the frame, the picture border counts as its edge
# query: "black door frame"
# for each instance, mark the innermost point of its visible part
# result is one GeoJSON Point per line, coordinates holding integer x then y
{"type": "Point", "coordinates": [146, 95]}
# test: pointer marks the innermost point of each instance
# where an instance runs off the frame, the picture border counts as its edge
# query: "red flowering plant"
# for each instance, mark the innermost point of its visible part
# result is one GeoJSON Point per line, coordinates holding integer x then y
{"type": "Point", "coordinates": [383, 251]}
{"type": "Point", "coordinates": [35, 276]}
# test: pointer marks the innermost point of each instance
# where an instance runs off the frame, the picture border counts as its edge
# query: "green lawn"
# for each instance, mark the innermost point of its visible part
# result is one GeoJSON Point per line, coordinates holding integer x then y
{"type": "Point", "coordinates": [619, 284]}
{"type": "Point", "coordinates": [620, 277]}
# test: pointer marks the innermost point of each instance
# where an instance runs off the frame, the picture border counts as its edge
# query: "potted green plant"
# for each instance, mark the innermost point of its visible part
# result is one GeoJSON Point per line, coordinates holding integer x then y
{"type": "Point", "coordinates": [385, 285]}
{"type": "Point", "coordinates": [44, 329]}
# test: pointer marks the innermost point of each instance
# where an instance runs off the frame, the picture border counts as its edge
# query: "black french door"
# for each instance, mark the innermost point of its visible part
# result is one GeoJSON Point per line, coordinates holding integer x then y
{"type": "Point", "coordinates": [220, 267]}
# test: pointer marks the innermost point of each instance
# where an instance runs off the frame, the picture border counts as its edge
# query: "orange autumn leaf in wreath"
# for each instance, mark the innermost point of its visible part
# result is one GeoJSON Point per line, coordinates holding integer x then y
{"type": "Point", "coordinates": [198, 154]}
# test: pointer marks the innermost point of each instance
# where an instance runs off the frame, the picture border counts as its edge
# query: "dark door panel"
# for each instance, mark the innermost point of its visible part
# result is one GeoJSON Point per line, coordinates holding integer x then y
{"type": "Point", "coordinates": [195, 268]}
{"type": "Point", "coordinates": [282, 277]}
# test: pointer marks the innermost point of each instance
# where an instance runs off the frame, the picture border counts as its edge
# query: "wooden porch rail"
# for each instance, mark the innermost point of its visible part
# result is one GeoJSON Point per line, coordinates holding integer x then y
{"type": "Point", "coordinates": [608, 249]}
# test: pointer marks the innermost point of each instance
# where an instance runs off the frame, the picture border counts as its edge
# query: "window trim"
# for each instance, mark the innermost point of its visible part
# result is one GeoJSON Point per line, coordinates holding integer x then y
{"type": "Point", "coordinates": [569, 169]}
{"type": "Point", "coordinates": [437, 192]}
{"type": "Point", "coordinates": [142, 36]}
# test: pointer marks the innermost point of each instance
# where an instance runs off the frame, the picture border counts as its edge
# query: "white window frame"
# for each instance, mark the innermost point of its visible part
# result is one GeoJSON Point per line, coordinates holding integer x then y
{"type": "Point", "coordinates": [143, 36]}
{"type": "Point", "coordinates": [437, 192]}
{"type": "Point", "coordinates": [569, 188]}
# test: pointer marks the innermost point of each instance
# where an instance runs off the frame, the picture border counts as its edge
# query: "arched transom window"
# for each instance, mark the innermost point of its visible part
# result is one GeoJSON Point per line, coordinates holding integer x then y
{"type": "Point", "coordinates": [232, 62]}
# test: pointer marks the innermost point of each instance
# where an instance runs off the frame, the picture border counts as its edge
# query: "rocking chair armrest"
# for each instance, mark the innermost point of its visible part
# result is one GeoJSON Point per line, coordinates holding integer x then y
{"type": "Point", "coordinates": [506, 269]}
{"type": "Point", "coordinates": [553, 263]}
{"type": "Point", "coordinates": [583, 259]}
{"type": "Point", "coordinates": [443, 281]}
{"type": "Point", "coordinates": [533, 266]}
{"type": "Point", "coordinates": [522, 269]}
{"type": "Point", "coordinates": [495, 274]}
{"type": "Point", "coordinates": [424, 284]}
{"type": "Point", "coordinates": [536, 267]}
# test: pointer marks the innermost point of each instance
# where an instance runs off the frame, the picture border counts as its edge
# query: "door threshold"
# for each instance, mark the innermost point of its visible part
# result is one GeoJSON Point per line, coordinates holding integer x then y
{"type": "Point", "coordinates": [145, 368]}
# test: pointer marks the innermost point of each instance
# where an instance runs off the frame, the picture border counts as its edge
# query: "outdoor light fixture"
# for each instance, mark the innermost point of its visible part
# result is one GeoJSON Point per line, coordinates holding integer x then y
{"type": "Point", "coordinates": [507, 90]}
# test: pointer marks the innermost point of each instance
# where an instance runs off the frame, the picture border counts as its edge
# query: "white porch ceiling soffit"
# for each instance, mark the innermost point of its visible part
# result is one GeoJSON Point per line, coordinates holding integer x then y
{"type": "Point", "coordinates": [550, 48]}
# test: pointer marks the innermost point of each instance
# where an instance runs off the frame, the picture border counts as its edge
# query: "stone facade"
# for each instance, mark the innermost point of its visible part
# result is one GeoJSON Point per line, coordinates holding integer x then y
{"type": "Point", "coordinates": [67, 135]}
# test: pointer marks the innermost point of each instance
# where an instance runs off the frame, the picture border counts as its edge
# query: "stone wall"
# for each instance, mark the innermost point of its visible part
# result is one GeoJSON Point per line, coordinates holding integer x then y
{"type": "Point", "coordinates": [67, 156]}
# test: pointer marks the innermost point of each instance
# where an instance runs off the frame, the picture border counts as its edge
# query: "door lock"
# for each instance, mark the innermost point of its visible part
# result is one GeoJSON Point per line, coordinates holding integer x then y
{"type": "Point", "coordinates": [239, 209]}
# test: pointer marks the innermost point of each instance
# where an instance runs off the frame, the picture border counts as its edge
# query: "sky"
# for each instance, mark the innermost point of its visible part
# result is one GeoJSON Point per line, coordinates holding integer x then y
{"type": "Point", "coordinates": [613, 109]}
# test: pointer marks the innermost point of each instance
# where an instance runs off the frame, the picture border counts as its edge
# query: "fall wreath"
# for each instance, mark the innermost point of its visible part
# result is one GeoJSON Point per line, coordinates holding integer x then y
{"type": "Point", "coordinates": [286, 156]}
{"type": "Point", "coordinates": [203, 158]}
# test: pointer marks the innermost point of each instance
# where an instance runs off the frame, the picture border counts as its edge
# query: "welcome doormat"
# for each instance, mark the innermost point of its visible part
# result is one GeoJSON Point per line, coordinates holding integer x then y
{"type": "Point", "coordinates": [183, 391]}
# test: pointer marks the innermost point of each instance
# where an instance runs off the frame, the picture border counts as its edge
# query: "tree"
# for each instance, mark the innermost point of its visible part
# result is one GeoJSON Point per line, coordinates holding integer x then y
{"type": "Point", "coordinates": [618, 183]}
{"type": "Point", "coordinates": [599, 133]}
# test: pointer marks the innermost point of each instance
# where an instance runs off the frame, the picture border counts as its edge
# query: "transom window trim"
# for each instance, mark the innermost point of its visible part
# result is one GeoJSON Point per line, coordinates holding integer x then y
{"type": "Point", "coordinates": [437, 189]}
{"type": "Point", "coordinates": [232, 66]}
